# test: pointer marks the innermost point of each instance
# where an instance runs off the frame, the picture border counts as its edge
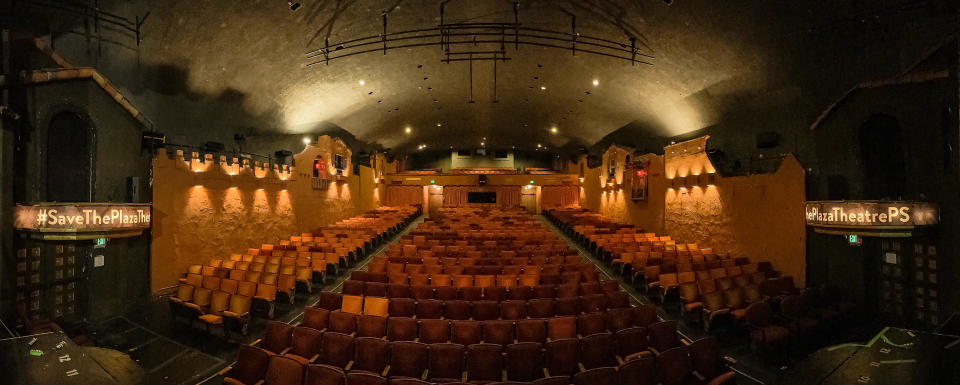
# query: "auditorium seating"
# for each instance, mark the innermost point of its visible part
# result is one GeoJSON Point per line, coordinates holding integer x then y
{"type": "Point", "coordinates": [224, 292]}
{"type": "Point", "coordinates": [709, 287]}
{"type": "Point", "coordinates": [481, 296]}
{"type": "Point", "coordinates": [444, 352]}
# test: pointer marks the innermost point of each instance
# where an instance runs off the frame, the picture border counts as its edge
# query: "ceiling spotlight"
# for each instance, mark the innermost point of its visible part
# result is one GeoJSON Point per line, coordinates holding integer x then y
{"type": "Point", "coordinates": [553, 130]}
{"type": "Point", "coordinates": [407, 130]}
{"type": "Point", "coordinates": [362, 82]}
{"type": "Point", "coordinates": [293, 5]}
{"type": "Point", "coordinates": [543, 88]}
{"type": "Point", "coordinates": [483, 144]}
{"type": "Point", "coordinates": [306, 141]}
{"type": "Point", "coordinates": [596, 82]}
{"type": "Point", "coordinates": [438, 124]}
{"type": "Point", "coordinates": [538, 145]}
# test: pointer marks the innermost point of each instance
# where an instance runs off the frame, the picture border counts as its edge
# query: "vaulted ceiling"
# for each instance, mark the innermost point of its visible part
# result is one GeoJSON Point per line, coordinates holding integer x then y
{"type": "Point", "coordinates": [219, 66]}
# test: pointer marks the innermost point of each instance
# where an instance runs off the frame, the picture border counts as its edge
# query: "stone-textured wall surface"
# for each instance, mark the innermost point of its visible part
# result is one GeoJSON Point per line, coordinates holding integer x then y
{"type": "Point", "coordinates": [758, 216]}
{"type": "Point", "coordinates": [205, 210]}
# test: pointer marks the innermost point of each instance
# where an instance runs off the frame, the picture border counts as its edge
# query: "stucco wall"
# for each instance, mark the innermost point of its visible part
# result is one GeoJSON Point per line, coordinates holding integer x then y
{"type": "Point", "coordinates": [758, 216]}
{"type": "Point", "coordinates": [211, 209]}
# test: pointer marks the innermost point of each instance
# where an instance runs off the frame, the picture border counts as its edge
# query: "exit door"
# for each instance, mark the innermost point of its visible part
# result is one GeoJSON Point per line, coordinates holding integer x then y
{"type": "Point", "coordinates": [434, 201]}
{"type": "Point", "coordinates": [529, 202]}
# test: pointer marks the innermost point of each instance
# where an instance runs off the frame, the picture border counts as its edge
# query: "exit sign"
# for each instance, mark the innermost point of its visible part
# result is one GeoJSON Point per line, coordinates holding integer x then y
{"type": "Point", "coordinates": [854, 239]}
{"type": "Point", "coordinates": [101, 242]}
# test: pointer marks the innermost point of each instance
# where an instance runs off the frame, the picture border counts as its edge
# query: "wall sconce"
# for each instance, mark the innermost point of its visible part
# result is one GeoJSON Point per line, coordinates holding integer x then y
{"type": "Point", "coordinates": [690, 181]}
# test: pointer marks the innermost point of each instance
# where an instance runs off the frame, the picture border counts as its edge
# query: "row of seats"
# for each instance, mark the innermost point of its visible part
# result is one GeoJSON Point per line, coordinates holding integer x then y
{"type": "Point", "coordinates": [481, 310]}
{"type": "Point", "coordinates": [423, 290]}
{"type": "Point", "coordinates": [399, 264]}
{"type": "Point", "coordinates": [575, 274]}
{"type": "Point", "coordinates": [502, 331]}
{"type": "Point", "coordinates": [336, 358]}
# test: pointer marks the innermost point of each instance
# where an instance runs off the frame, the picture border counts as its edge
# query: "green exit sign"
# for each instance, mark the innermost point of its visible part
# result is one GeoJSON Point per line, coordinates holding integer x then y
{"type": "Point", "coordinates": [854, 239]}
{"type": "Point", "coordinates": [100, 242]}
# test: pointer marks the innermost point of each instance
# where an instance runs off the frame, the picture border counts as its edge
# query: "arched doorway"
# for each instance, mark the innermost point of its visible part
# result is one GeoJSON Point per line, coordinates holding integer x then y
{"type": "Point", "coordinates": [69, 159]}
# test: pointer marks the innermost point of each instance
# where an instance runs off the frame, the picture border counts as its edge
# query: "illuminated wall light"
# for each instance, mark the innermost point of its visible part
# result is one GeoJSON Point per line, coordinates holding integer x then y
{"type": "Point", "coordinates": [596, 82]}
{"type": "Point", "coordinates": [306, 141]}
{"type": "Point", "coordinates": [553, 130]}
{"type": "Point", "coordinates": [362, 82]}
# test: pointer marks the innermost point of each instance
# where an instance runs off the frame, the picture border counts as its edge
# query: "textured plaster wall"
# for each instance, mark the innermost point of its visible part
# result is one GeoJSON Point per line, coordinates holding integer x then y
{"type": "Point", "coordinates": [212, 209]}
{"type": "Point", "coordinates": [758, 216]}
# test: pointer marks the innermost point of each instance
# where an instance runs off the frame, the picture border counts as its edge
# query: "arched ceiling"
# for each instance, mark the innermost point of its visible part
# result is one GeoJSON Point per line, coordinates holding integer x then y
{"type": "Point", "coordinates": [244, 63]}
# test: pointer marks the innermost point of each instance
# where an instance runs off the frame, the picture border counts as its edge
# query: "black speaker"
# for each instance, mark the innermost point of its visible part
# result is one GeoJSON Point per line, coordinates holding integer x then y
{"type": "Point", "coordinates": [483, 179]}
{"type": "Point", "coordinates": [768, 139]}
{"type": "Point", "coordinates": [213, 147]}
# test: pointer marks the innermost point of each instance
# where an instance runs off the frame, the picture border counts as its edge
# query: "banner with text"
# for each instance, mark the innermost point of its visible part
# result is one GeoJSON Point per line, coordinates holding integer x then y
{"type": "Point", "coordinates": [877, 214]}
{"type": "Point", "coordinates": [82, 217]}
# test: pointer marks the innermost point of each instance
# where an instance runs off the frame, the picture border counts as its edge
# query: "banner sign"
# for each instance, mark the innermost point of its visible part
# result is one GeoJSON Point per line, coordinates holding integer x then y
{"type": "Point", "coordinates": [82, 217]}
{"type": "Point", "coordinates": [871, 214]}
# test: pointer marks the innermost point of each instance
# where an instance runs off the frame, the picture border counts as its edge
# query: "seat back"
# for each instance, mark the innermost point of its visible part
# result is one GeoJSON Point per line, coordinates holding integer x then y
{"type": "Point", "coordinates": [284, 371]}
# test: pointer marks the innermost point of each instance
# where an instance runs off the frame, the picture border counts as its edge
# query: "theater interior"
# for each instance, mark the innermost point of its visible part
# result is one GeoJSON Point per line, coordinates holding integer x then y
{"type": "Point", "coordinates": [409, 192]}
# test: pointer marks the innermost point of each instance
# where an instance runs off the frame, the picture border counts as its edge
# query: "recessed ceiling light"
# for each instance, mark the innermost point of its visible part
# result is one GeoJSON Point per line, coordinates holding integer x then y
{"type": "Point", "coordinates": [538, 145]}
{"type": "Point", "coordinates": [408, 130]}
{"type": "Point", "coordinates": [306, 140]}
{"type": "Point", "coordinates": [553, 130]}
{"type": "Point", "coordinates": [543, 88]}
{"type": "Point", "coordinates": [438, 124]}
{"type": "Point", "coordinates": [596, 82]}
{"type": "Point", "coordinates": [362, 82]}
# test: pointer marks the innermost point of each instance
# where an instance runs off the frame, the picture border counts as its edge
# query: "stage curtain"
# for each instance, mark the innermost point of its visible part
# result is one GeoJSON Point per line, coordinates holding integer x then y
{"type": "Point", "coordinates": [403, 195]}
{"type": "Point", "coordinates": [456, 196]}
{"type": "Point", "coordinates": [559, 196]}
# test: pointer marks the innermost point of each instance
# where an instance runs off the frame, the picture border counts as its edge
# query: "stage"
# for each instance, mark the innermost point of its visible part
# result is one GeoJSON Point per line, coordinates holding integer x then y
{"type": "Point", "coordinates": [892, 357]}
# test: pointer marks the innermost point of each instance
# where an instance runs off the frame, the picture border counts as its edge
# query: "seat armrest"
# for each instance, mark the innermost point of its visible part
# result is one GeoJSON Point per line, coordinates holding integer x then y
{"type": "Point", "coordinates": [256, 342]}
{"type": "Point", "coordinates": [347, 368]}
{"type": "Point", "coordinates": [385, 371]}
{"type": "Point", "coordinates": [582, 368]}
{"type": "Point", "coordinates": [424, 375]}
{"type": "Point", "coordinates": [314, 358]}
{"type": "Point", "coordinates": [546, 373]}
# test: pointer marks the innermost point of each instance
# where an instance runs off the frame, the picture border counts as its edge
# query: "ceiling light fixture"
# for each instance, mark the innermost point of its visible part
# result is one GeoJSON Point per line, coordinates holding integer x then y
{"type": "Point", "coordinates": [407, 130]}
{"type": "Point", "coordinates": [553, 130]}
{"type": "Point", "coordinates": [543, 88]}
{"type": "Point", "coordinates": [438, 124]}
{"type": "Point", "coordinates": [596, 82]}
{"type": "Point", "coordinates": [306, 141]}
{"type": "Point", "coordinates": [362, 82]}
